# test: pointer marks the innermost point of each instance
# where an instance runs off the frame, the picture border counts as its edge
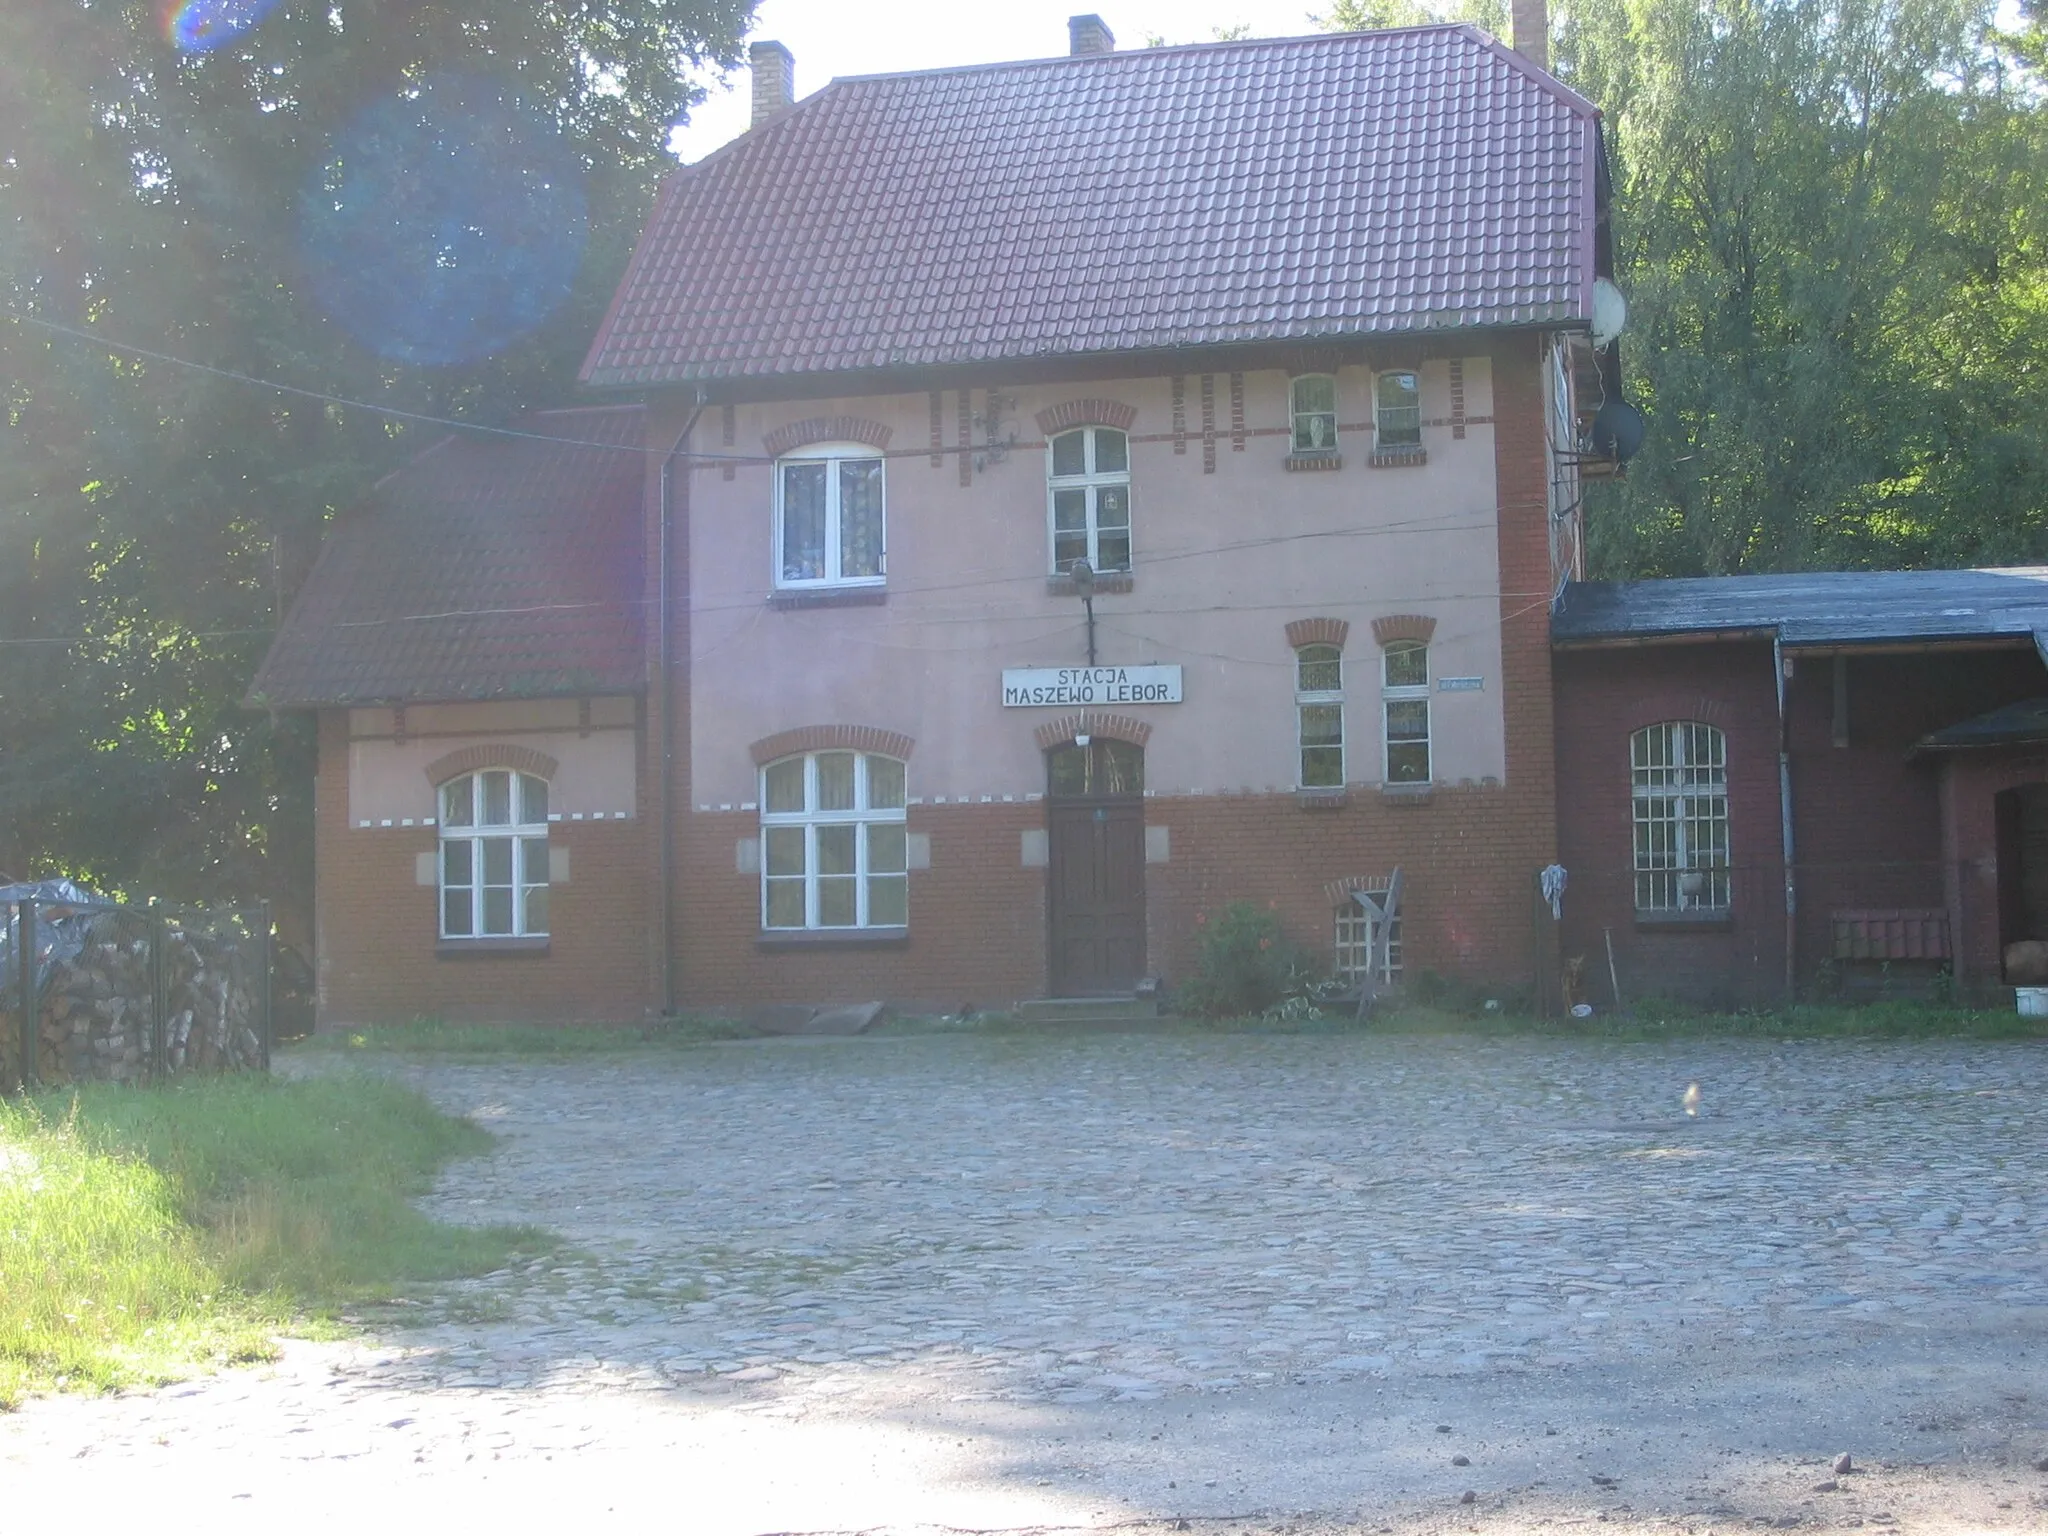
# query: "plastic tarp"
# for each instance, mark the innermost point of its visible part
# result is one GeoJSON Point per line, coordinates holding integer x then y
{"type": "Point", "coordinates": [64, 914]}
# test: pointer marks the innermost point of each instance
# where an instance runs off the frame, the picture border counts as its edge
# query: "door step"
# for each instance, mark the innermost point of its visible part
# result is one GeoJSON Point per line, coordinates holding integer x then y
{"type": "Point", "coordinates": [1122, 1011]}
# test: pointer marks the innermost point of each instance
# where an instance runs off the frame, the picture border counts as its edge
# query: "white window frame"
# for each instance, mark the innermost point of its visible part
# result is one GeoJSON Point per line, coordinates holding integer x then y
{"type": "Point", "coordinates": [1092, 483]}
{"type": "Point", "coordinates": [1405, 693]}
{"type": "Point", "coordinates": [1306, 698]}
{"type": "Point", "coordinates": [1678, 803]}
{"type": "Point", "coordinates": [831, 456]}
{"type": "Point", "coordinates": [862, 816]}
{"type": "Point", "coordinates": [1298, 414]}
{"type": "Point", "coordinates": [1381, 442]}
{"type": "Point", "coordinates": [526, 831]}
{"type": "Point", "coordinates": [1353, 936]}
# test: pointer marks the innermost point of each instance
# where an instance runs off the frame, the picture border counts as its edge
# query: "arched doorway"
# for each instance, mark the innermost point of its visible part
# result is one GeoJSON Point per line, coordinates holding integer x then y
{"type": "Point", "coordinates": [1095, 886]}
{"type": "Point", "coordinates": [2021, 827]}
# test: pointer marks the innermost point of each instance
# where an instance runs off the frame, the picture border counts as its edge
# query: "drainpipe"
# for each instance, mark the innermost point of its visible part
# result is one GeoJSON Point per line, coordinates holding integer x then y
{"type": "Point", "coordinates": [1778, 663]}
{"type": "Point", "coordinates": [662, 665]}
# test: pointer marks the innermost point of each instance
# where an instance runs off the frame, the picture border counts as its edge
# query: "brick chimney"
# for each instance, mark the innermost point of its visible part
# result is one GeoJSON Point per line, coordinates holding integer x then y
{"type": "Point", "coordinates": [774, 69]}
{"type": "Point", "coordinates": [1089, 34]}
{"type": "Point", "coordinates": [1529, 20]}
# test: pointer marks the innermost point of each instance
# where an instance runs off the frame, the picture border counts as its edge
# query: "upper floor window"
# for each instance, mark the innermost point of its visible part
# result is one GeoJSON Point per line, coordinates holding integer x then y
{"type": "Point", "coordinates": [834, 851]}
{"type": "Point", "coordinates": [1397, 412]}
{"type": "Point", "coordinates": [829, 517]}
{"type": "Point", "coordinates": [1678, 772]}
{"type": "Point", "coordinates": [1089, 480]}
{"type": "Point", "coordinates": [1313, 398]}
{"type": "Point", "coordinates": [1404, 695]}
{"type": "Point", "coordinates": [494, 855]}
{"type": "Point", "coordinates": [1319, 709]}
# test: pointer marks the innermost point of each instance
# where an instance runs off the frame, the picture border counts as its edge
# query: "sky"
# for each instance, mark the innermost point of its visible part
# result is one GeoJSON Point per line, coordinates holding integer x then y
{"type": "Point", "coordinates": [873, 37]}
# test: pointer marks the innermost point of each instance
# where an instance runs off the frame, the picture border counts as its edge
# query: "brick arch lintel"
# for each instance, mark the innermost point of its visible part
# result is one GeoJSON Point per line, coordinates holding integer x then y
{"type": "Point", "coordinates": [825, 429]}
{"type": "Point", "coordinates": [490, 754]}
{"type": "Point", "coordinates": [1339, 891]}
{"type": "Point", "coordinates": [1396, 627]}
{"type": "Point", "coordinates": [826, 738]}
{"type": "Point", "coordinates": [1086, 413]}
{"type": "Point", "coordinates": [1318, 632]}
{"type": "Point", "coordinates": [1057, 733]}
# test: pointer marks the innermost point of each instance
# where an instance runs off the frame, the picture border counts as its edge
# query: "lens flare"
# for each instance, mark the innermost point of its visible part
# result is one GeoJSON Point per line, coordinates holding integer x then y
{"type": "Point", "coordinates": [444, 225]}
{"type": "Point", "coordinates": [200, 25]}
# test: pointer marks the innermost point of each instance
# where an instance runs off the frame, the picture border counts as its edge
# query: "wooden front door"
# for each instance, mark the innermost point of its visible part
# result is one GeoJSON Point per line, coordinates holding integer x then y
{"type": "Point", "coordinates": [1095, 824]}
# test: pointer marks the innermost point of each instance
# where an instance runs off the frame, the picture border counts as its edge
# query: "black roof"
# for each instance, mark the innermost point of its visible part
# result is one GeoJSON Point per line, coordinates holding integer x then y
{"type": "Point", "coordinates": [2014, 724]}
{"type": "Point", "coordinates": [1810, 607]}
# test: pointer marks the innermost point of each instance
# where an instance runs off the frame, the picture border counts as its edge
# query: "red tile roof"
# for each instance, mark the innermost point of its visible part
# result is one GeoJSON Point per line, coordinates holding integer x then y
{"type": "Point", "coordinates": [1358, 183]}
{"type": "Point", "coordinates": [489, 567]}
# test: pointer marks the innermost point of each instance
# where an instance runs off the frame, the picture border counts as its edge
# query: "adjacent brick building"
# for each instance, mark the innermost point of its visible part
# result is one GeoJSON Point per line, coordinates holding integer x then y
{"type": "Point", "coordinates": [1057, 500]}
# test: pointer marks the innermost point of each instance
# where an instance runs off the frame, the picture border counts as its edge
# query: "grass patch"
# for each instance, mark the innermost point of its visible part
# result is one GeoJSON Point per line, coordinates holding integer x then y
{"type": "Point", "coordinates": [437, 1037]}
{"type": "Point", "coordinates": [145, 1234]}
{"type": "Point", "coordinates": [1660, 1020]}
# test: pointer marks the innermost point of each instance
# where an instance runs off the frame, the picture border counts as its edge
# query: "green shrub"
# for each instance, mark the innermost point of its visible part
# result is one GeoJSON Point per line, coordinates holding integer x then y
{"type": "Point", "coordinates": [1245, 966]}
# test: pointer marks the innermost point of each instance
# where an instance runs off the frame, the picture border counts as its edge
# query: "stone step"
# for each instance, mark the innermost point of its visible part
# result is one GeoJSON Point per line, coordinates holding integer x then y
{"type": "Point", "coordinates": [1120, 1011]}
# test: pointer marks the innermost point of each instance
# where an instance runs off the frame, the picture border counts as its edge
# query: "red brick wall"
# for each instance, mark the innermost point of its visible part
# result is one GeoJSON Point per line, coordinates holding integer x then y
{"type": "Point", "coordinates": [977, 916]}
{"type": "Point", "coordinates": [1603, 698]}
{"type": "Point", "coordinates": [376, 927]}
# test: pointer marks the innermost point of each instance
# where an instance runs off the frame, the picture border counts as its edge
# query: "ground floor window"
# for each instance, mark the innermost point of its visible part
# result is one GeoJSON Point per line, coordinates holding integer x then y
{"type": "Point", "coordinates": [1354, 942]}
{"type": "Point", "coordinates": [494, 856]}
{"type": "Point", "coordinates": [1678, 773]}
{"type": "Point", "coordinates": [834, 851]}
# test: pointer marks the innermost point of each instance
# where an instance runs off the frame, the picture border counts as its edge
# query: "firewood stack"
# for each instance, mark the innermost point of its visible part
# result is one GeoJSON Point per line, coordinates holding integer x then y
{"type": "Point", "coordinates": [97, 1006]}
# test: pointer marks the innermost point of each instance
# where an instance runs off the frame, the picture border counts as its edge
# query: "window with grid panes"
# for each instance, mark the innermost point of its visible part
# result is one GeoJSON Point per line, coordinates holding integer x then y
{"type": "Point", "coordinates": [1678, 772]}
{"type": "Point", "coordinates": [1404, 696]}
{"type": "Point", "coordinates": [1088, 481]}
{"type": "Point", "coordinates": [829, 518]}
{"type": "Point", "coordinates": [834, 851]}
{"type": "Point", "coordinates": [1319, 711]}
{"type": "Point", "coordinates": [1313, 398]}
{"type": "Point", "coordinates": [1354, 943]}
{"type": "Point", "coordinates": [1397, 412]}
{"type": "Point", "coordinates": [494, 855]}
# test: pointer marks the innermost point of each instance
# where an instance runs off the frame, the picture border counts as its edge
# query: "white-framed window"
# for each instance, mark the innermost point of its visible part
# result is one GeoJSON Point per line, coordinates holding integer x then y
{"type": "Point", "coordinates": [494, 855]}
{"type": "Point", "coordinates": [1319, 712]}
{"type": "Point", "coordinates": [834, 852]}
{"type": "Point", "coordinates": [1312, 401]}
{"type": "Point", "coordinates": [1397, 412]}
{"type": "Point", "coordinates": [1678, 773]}
{"type": "Point", "coordinates": [1088, 482]}
{"type": "Point", "coordinates": [1404, 701]}
{"type": "Point", "coordinates": [830, 522]}
{"type": "Point", "coordinates": [1354, 943]}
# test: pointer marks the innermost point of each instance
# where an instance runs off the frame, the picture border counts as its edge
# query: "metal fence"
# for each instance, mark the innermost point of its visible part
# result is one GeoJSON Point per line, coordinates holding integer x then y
{"type": "Point", "coordinates": [99, 991]}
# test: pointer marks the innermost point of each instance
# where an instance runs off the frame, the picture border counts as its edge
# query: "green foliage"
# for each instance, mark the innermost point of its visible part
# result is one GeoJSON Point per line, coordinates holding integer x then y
{"type": "Point", "coordinates": [1367, 15]}
{"type": "Point", "coordinates": [144, 1234]}
{"type": "Point", "coordinates": [1833, 229]}
{"type": "Point", "coordinates": [1245, 964]}
{"type": "Point", "coordinates": [155, 518]}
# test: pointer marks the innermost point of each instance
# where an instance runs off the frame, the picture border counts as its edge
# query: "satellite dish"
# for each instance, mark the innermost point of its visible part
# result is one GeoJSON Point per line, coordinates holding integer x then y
{"type": "Point", "coordinates": [1618, 431]}
{"type": "Point", "coordinates": [1610, 311]}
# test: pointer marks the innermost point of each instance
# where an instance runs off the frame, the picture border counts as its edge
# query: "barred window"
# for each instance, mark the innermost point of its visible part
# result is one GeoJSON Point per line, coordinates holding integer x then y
{"type": "Point", "coordinates": [1679, 779]}
{"type": "Point", "coordinates": [1319, 712]}
{"type": "Point", "coordinates": [1354, 941]}
{"type": "Point", "coordinates": [494, 855]}
{"type": "Point", "coordinates": [834, 851]}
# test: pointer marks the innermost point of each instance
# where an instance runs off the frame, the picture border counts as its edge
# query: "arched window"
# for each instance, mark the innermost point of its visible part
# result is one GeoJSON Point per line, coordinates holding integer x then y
{"type": "Point", "coordinates": [1319, 712]}
{"type": "Point", "coordinates": [1678, 772]}
{"type": "Point", "coordinates": [1353, 953]}
{"type": "Point", "coordinates": [834, 852]}
{"type": "Point", "coordinates": [829, 517]}
{"type": "Point", "coordinates": [1088, 482]}
{"type": "Point", "coordinates": [494, 855]}
{"type": "Point", "coordinates": [1313, 402]}
{"type": "Point", "coordinates": [1404, 694]}
{"type": "Point", "coordinates": [1397, 412]}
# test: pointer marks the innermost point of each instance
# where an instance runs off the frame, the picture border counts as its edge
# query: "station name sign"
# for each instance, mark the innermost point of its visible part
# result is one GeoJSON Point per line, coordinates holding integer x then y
{"type": "Point", "coordinates": [1024, 687]}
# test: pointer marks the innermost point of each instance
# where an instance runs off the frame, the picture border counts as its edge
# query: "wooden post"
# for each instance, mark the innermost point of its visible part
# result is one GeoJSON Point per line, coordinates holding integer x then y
{"type": "Point", "coordinates": [31, 1022]}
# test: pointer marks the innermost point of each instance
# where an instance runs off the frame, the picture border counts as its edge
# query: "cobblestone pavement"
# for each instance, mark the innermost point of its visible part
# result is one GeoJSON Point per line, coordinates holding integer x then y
{"type": "Point", "coordinates": [1027, 1234]}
